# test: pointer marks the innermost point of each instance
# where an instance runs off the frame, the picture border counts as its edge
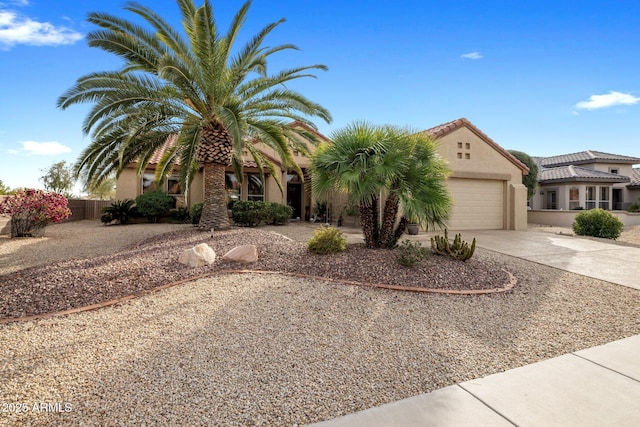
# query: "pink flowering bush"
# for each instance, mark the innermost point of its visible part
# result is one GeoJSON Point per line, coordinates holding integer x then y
{"type": "Point", "coordinates": [31, 210]}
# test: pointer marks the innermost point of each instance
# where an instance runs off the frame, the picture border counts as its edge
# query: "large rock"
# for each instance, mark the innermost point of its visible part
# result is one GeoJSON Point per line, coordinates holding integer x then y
{"type": "Point", "coordinates": [198, 256]}
{"type": "Point", "coordinates": [244, 253]}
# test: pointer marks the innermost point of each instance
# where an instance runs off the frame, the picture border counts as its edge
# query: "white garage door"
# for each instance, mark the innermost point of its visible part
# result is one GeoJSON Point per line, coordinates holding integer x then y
{"type": "Point", "coordinates": [477, 204]}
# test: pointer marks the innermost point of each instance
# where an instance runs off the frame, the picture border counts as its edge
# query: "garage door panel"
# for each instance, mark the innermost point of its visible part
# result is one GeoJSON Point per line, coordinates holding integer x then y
{"type": "Point", "coordinates": [477, 204]}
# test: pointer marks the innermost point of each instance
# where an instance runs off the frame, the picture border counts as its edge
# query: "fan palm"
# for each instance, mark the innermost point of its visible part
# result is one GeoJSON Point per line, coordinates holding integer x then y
{"type": "Point", "coordinates": [194, 85]}
{"type": "Point", "coordinates": [389, 165]}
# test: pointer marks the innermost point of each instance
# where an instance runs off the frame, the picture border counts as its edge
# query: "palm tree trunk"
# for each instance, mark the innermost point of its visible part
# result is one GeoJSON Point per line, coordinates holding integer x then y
{"type": "Point", "coordinates": [402, 226]}
{"type": "Point", "coordinates": [369, 220]}
{"type": "Point", "coordinates": [389, 220]}
{"type": "Point", "coordinates": [214, 211]}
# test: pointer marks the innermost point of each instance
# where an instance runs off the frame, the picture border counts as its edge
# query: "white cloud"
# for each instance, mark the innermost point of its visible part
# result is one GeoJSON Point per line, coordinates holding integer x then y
{"type": "Point", "coordinates": [15, 29]}
{"type": "Point", "coordinates": [610, 99]}
{"type": "Point", "coordinates": [43, 148]}
{"type": "Point", "coordinates": [472, 55]}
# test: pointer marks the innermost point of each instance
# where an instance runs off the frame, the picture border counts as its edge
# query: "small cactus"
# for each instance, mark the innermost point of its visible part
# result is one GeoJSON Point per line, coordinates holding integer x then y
{"type": "Point", "coordinates": [459, 249]}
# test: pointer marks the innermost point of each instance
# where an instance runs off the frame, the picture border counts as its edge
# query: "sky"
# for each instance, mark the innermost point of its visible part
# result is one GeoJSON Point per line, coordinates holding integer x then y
{"type": "Point", "coordinates": [543, 77]}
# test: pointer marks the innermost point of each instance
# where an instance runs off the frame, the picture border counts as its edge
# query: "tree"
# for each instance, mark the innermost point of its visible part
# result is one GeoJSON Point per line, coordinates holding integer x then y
{"type": "Point", "coordinates": [4, 189]}
{"type": "Point", "coordinates": [58, 178]}
{"type": "Point", "coordinates": [197, 86]}
{"type": "Point", "coordinates": [103, 190]}
{"type": "Point", "coordinates": [388, 166]}
{"type": "Point", "coordinates": [531, 180]}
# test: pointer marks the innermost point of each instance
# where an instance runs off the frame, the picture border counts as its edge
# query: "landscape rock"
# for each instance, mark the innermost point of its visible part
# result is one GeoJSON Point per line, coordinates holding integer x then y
{"type": "Point", "coordinates": [198, 256]}
{"type": "Point", "coordinates": [244, 253]}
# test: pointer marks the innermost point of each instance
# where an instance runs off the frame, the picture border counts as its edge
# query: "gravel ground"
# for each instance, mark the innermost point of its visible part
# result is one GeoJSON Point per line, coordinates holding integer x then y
{"type": "Point", "coordinates": [248, 349]}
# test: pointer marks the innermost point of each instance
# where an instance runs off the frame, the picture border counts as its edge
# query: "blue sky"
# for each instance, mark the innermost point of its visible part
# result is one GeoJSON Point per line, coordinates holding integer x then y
{"type": "Point", "coordinates": [544, 77]}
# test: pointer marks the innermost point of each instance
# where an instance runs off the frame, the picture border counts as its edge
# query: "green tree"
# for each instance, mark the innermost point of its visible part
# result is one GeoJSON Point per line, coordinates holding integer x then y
{"type": "Point", "coordinates": [103, 190]}
{"type": "Point", "coordinates": [388, 166]}
{"type": "Point", "coordinates": [58, 178]}
{"type": "Point", "coordinates": [531, 180]}
{"type": "Point", "coordinates": [4, 189]}
{"type": "Point", "coordinates": [194, 84]}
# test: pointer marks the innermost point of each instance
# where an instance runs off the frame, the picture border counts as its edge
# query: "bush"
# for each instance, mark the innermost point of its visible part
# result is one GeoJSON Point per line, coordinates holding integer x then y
{"type": "Point", "coordinates": [278, 214]}
{"type": "Point", "coordinates": [248, 213]}
{"type": "Point", "coordinates": [154, 204]}
{"type": "Point", "coordinates": [597, 223]}
{"type": "Point", "coordinates": [31, 210]}
{"type": "Point", "coordinates": [634, 207]}
{"type": "Point", "coordinates": [180, 215]}
{"type": "Point", "coordinates": [410, 254]}
{"type": "Point", "coordinates": [327, 240]}
{"type": "Point", "coordinates": [195, 213]}
{"type": "Point", "coordinates": [120, 211]}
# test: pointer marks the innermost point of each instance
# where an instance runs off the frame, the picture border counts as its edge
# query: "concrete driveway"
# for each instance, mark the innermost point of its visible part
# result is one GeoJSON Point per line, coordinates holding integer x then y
{"type": "Point", "coordinates": [615, 263]}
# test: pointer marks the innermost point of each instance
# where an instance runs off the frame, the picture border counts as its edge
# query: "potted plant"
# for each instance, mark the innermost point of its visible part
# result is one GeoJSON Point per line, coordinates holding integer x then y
{"type": "Point", "coordinates": [413, 227]}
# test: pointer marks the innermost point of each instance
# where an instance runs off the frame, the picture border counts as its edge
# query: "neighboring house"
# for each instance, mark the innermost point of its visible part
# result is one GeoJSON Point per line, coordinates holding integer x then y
{"type": "Point", "coordinates": [586, 180]}
{"type": "Point", "coordinates": [485, 182]}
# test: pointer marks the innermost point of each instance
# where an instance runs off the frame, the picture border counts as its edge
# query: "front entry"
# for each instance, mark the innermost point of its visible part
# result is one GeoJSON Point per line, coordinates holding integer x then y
{"type": "Point", "coordinates": [616, 199]}
{"type": "Point", "coordinates": [294, 196]}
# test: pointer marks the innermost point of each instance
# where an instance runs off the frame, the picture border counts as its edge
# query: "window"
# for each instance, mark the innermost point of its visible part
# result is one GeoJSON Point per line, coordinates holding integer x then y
{"type": "Point", "coordinates": [613, 170]}
{"type": "Point", "coordinates": [255, 187]}
{"type": "Point", "coordinates": [148, 183]}
{"type": "Point", "coordinates": [467, 156]}
{"type": "Point", "coordinates": [459, 155]}
{"type": "Point", "coordinates": [233, 187]}
{"type": "Point", "coordinates": [604, 198]}
{"type": "Point", "coordinates": [574, 198]}
{"type": "Point", "coordinates": [173, 185]}
{"type": "Point", "coordinates": [590, 202]}
{"type": "Point", "coordinates": [467, 145]}
{"type": "Point", "coordinates": [459, 145]}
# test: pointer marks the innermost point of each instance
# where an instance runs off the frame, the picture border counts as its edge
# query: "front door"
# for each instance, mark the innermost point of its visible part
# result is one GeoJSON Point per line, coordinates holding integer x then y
{"type": "Point", "coordinates": [552, 202]}
{"type": "Point", "coordinates": [294, 198]}
{"type": "Point", "coordinates": [616, 199]}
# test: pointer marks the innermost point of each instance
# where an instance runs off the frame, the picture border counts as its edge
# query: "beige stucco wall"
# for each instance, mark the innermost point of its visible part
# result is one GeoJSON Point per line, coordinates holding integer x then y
{"type": "Point", "coordinates": [470, 156]}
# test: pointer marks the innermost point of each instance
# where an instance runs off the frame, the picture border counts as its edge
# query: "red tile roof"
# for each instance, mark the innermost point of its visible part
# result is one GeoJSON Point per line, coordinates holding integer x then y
{"type": "Point", "coordinates": [585, 157]}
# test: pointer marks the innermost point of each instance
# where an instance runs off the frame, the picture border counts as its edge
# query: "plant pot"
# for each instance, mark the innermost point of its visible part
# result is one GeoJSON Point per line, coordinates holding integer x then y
{"type": "Point", "coordinates": [413, 229]}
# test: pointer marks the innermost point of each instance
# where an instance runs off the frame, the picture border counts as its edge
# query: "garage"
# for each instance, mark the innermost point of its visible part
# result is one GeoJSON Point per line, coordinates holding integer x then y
{"type": "Point", "coordinates": [478, 204]}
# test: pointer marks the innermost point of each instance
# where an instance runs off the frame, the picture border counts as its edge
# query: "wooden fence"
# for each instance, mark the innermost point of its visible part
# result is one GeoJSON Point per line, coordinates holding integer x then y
{"type": "Point", "coordinates": [80, 209]}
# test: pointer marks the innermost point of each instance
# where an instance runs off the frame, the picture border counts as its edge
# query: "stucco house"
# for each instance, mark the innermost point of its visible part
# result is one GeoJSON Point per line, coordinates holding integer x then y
{"type": "Point", "coordinates": [485, 181]}
{"type": "Point", "coordinates": [586, 180]}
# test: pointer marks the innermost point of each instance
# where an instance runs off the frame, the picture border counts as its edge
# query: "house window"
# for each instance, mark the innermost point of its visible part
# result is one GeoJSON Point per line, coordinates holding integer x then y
{"type": "Point", "coordinates": [590, 202]}
{"type": "Point", "coordinates": [148, 183]}
{"type": "Point", "coordinates": [467, 156]}
{"type": "Point", "coordinates": [255, 187]}
{"type": "Point", "coordinates": [604, 198]}
{"type": "Point", "coordinates": [459, 155]}
{"type": "Point", "coordinates": [467, 146]}
{"type": "Point", "coordinates": [233, 187]}
{"type": "Point", "coordinates": [173, 185]}
{"type": "Point", "coordinates": [613, 170]}
{"type": "Point", "coordinates": [459, 145]}
{"type": "Point", "coordinates": [574, 198]}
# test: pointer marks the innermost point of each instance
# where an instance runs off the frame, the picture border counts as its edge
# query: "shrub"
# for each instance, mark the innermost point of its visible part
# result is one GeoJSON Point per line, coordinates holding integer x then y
{"type": "Point", "coordinates": [31, 210]}
{"type": "Point", "coordinates": [195, 213]}
{"type": "Point", "coordinates": [327, 240]}
{"type": "Point", "coordinates": [154, 204]}
{"type": "Point", "coordinates": [120, 211]}
{"type": "Point", "coordinates": [278, 214]}
{"type": "Point", "coordinates": [634, 207]}
{"type": "Point", "coordinates": [597, 223]}
{"type": "Point", "coordinates": [181, 215]}
{"type": "Point", "coordinates": [248, 213]}
{"type": "Point", "coordinates": [409, 254]}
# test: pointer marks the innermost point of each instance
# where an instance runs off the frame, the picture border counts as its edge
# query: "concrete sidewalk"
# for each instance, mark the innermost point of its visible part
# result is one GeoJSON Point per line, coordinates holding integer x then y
{"type": "Point", "coordinates": [599, 386]}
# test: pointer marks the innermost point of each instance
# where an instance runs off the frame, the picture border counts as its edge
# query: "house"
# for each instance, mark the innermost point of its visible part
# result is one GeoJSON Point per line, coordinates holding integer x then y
{"type": "Point", "coordinates": [485, 181]}
{"type": "Point", "coordinates": [586, 180]}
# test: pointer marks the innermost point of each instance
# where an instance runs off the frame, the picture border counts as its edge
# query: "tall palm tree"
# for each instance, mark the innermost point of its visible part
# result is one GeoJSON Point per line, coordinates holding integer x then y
{"type": "Point", "coordinates": [197, 86]}
{"type": "Point", "coordinates": [389, 165]}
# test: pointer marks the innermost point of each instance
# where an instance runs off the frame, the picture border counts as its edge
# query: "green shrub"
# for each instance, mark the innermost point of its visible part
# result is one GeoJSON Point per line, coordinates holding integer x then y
{"type": "Point", "coordinates": [154, 204]}
{"type": "Point", "coordinates": [249, 213]}
{"type": "Point", "coordinates": [634, 207]}
{"type": "Point", "coordinates": [410, 254]}
{"type": "Point", "coordinates": [195, 213]}
{"type": "Point", "coordinates": [597, 223]}
{"type": "Point", "coordinates": [278, 214]}
{"type": "Point", "coordinates": [327, 240]}
{"type": "Point", "coordinates": [120, 211]}
{"type": "Point", "coordinates": [180, 214]}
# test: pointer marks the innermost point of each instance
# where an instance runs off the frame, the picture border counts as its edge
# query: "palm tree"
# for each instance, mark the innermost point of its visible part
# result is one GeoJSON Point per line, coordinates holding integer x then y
{"type": "Point", "coordinates": [194, 85]}
{"type": "Point", "coordinates": [384, 164]}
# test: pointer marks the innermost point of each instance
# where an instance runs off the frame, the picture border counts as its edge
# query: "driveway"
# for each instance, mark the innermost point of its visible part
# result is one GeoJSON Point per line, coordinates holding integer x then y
{"type": "Point", "coordinates": [615, 263]}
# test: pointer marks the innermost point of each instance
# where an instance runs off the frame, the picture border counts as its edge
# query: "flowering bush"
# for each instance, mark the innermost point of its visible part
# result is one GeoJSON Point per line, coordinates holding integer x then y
{"type": "Point", "coordinates": [31, 210]}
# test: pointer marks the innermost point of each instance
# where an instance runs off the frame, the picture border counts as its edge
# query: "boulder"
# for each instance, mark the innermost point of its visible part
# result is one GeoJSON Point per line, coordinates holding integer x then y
{"type": "Point", "coordinates": [198, 256]}
{"type": "Point", "coordinates": [244, 253]}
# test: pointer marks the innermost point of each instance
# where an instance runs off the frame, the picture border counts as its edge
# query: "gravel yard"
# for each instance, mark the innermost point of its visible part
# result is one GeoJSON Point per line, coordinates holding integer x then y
{"type": "Point", "coordinates": [246, 349]}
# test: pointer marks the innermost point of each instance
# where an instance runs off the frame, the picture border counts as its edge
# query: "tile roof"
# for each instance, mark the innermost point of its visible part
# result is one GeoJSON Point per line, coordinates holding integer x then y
{"type": "Point", "coordinates": [589, 156]}
{"type": "Point", "coordinates": [635, 178]}
{"type": "Point", "coordinates": [447, 128]}
{"type": "Point", "coordinates": [576, 173]}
